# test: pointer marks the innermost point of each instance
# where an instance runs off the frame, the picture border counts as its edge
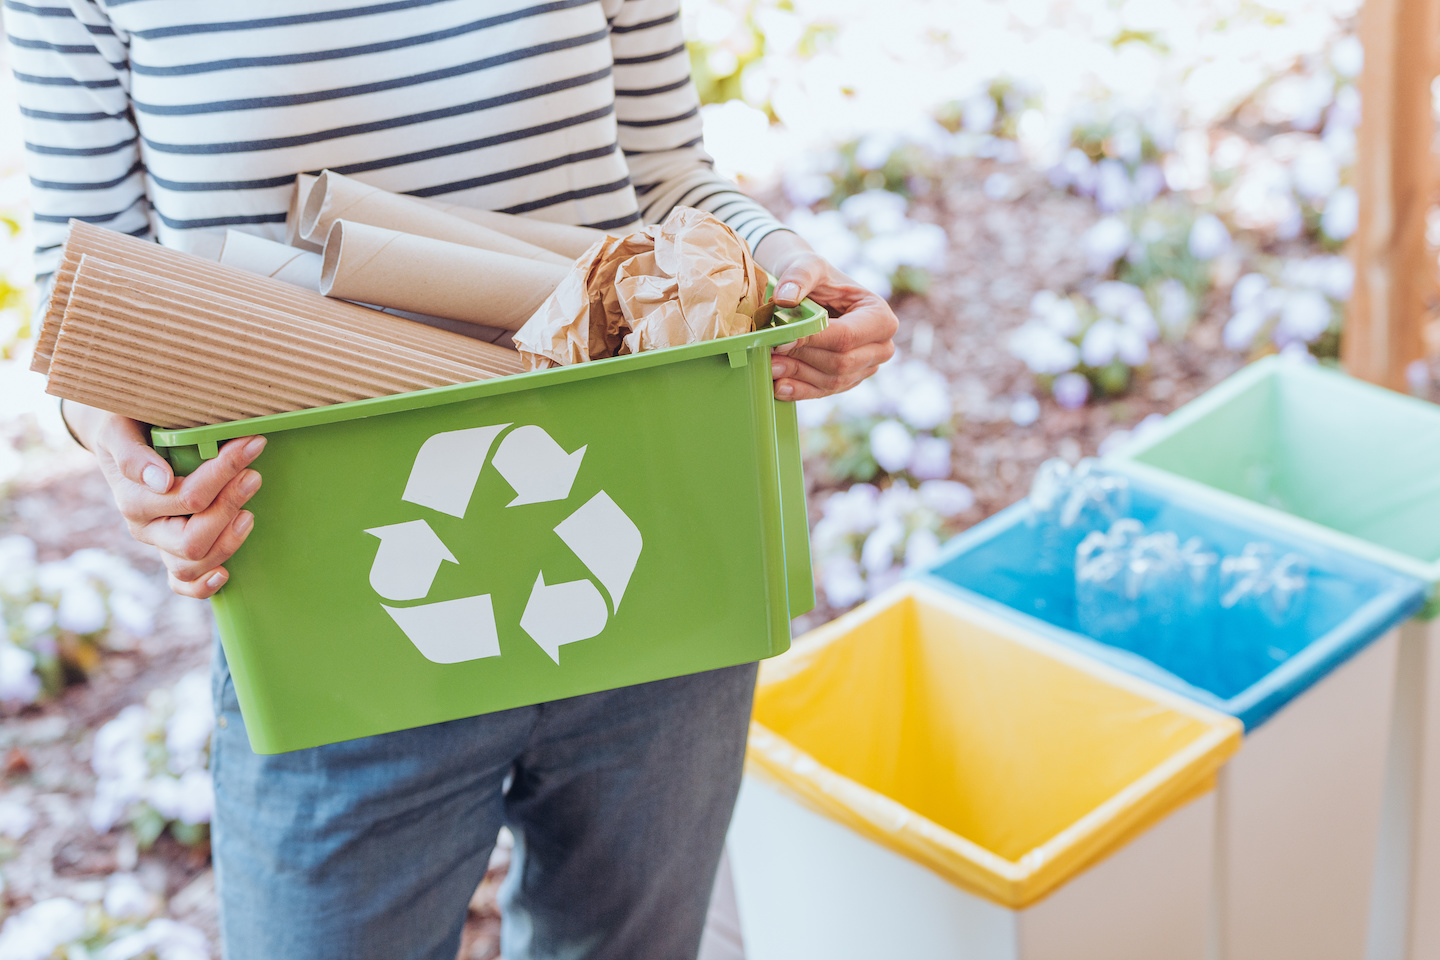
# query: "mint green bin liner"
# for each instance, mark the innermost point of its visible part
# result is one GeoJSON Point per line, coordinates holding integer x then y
{"type": "Point", "coordinates": [688, 444]}
{"type": "Point", "coordinates": [1313, 449]}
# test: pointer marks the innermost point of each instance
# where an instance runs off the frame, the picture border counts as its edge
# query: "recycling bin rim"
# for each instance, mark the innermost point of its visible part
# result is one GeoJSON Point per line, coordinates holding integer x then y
{"type": "Point", "coordinates": [790, 324]}
{"type": "Point", "coordinates": [1253, 705]}
{"type": "Point", "coordinates": [1185, 774]}
{"type": "Point", "coordinates": [1123, 460]}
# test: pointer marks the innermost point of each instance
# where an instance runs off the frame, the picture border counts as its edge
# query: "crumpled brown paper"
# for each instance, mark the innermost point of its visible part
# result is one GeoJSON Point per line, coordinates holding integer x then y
{"type": "Point", "coordinates": [685, 280]}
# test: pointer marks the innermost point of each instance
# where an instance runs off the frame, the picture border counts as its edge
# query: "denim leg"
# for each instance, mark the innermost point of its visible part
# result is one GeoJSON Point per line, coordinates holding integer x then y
{"type": "Point", "coordinates": [358, 850]}
{"type": "Point", "coordinates": [619, 806]}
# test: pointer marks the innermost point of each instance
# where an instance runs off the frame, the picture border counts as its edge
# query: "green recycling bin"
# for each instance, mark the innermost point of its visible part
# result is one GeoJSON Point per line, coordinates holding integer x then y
{"type": "Point", "coordinates": [1358, 467]}
{"type": "Point", "coordinates": [451, 552]}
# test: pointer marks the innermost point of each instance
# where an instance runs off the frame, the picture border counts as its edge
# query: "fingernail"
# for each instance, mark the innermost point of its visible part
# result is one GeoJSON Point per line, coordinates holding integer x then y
{"type": "Point", "coordinates": [155, 478]}
{"type": "Point", "coordinates": [243, 521]}
{"type": "Point", "coordinates": [217, 580]}
{"type": "Point", "coordinates": [249, 484]}
{"type": "Point", "coordinates": [788, 291]}
{"type": "Point", "coordinates": [777, 369]}
{"type": "Point", "coordinates": [784, 390]}
{"type": "Point", "coordinates": [253, 448]}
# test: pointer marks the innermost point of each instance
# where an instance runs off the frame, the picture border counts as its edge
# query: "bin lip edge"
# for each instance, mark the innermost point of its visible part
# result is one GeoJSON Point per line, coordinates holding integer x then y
{"type": "Point", "coordinates": [1427, 571]}
{"type": "Point", "coordinates": [1257, 702]}
{"type": "Point", "coordinates": [811, 319]}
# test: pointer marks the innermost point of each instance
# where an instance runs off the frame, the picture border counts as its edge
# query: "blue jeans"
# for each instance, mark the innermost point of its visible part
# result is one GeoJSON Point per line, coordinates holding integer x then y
{"type": "Point", "coordinates": [619, 802]}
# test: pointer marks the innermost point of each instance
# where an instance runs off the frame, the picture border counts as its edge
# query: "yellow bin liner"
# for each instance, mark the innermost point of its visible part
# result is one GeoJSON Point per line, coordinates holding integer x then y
{"type": "Point", "coordinates": [1002, 761]}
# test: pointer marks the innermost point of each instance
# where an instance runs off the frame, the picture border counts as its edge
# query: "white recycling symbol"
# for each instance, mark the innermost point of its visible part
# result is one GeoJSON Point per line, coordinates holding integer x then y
{"type": "Point", "coordinates": [443, 478]}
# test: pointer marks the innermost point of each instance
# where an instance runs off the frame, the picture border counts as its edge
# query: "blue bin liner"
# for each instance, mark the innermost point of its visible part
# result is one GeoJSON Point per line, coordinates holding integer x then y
{"type": "Point", "coordinates": [1352, 602]}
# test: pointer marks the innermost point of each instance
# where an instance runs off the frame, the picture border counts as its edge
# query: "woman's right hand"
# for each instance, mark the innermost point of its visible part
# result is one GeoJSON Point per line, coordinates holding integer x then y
{"type": "Point", "coordinates": [196, 522]}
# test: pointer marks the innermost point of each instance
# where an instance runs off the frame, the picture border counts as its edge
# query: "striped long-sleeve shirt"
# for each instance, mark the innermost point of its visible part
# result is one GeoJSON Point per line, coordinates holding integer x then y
{"type": "Point", "coordinates": [176, 119]}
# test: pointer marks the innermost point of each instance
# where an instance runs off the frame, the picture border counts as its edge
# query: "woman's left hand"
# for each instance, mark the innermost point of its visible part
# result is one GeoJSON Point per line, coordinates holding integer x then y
{"type": "Point", "coordinates": [858, 339]}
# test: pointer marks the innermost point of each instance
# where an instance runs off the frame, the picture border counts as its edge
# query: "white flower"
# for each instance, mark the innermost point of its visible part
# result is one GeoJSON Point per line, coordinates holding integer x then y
{"type": "Point", "coordinates": [1342, 214]}
{"type": "Point", "coordinates": [931, 460]}
{"type": "Point", "coordinates": [194, 797]}
{"type": "Point", "coordinates": [16, 819]}
{"type": "Point", "coordinates": [1112, 297]}
{"type": "Point", "coordinates": [842, 582]}
{"type": "Point", "coordinates": [980, 113]}
{"type": "Point", "coordinates": [1104, 243]}
{"type": "Point", "coordinates": [879, 210]}
{"type": "Point", "coordinates": [126, 898]}
{"type": "Point", "coordinates": [1149, 181]}
{"type": "Point", "coordinates": [1347, 56]}
{"type": "Point", "coordinates": [1208, 237]}
{"type": "Point", "coordinates": [1248, 291]}
{"type": "Point", "coordinates": [1071, 390]}
{"type": "Point", "coordinates": [1243, 327]}
{"type": "Point", "coordinates": [892, 445]}
{"type": "Point", "coordinates": [1043, 350]}
{"type": "Point", "coordinates": [17, 565]}
{"type": "Point", "coordinates": [851, 511]}
{"type": "Point", "coordinates": [921, 547]}
{"type": "Point", "coordinates": [1101, 342]}
{"type": "Point", "coordinates": [1024, 410]}
{"type": "Point", "coordinates": [828, 233]}
{"type": "Point", "coordinates": [1113, 189]}
{"type": "Point", "coordinates": [1314, 171]}
{"type": "Point", "coordinates": [38, 617]}
{"type": "Point", "coordinates": [82, 609]}
{"type": "Point", "coordinates": [859, 402]}
{"type": "Point", "coordinates": [1056, 312]}
{"type": "Point", "coordinates": [1305, 315]}
{"type": "Point", "coordinates": [40, 931]}
{"type": "Point", "coordinates": [163, 937]}
{"type": "Point", "coordinates": [814, 412]}
{"type": "Point", "coordinates": [1131, 346]}
{"type": "Point", "coordinates": [927, 404]}
{"type": "Point", "coordinates": [1075, 170]}
{"type": "Point", "coordinates": [18, 681]}
{"type": "Point", "coordinates": [1138, 318]}
{"type": "Point", "coordinates": [882, 546]}
{"type": "Point", "coordinates": [868, 278]}
{"type": "Point", "coordinates": [1176, 306]}
{"type": "Point", "coordinates": [132, 613]}
{"type": "Point", "coordinates": [948, 498]}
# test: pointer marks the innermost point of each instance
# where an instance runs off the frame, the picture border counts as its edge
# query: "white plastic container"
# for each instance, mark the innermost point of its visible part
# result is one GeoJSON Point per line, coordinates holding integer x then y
{"type": "Point", "coordinates": [810, 889]}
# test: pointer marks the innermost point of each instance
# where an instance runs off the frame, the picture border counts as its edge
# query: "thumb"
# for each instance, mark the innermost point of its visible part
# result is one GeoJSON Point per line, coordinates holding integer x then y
{"type": "Point", "coordinates": [797, 280]}
{"type": "Point", "coordinates": [124, 440]}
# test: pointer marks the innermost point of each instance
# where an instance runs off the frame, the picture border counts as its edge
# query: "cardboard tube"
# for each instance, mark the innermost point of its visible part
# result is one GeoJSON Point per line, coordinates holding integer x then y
{"type": "Point", "coordinates": [183, 269]}
{"type": "Point", "coordinates": [245, 251]}
{"type": "Point", "coordinates": [339, 198]}
{"type": "Point", "coordinates": [172, 357]}
{"type": "Point", "coordinates": [304, 183]}
{"type": "Point", "coordinates": [375, 265]}
{"type": "Point", "coordinates": [565, 239]}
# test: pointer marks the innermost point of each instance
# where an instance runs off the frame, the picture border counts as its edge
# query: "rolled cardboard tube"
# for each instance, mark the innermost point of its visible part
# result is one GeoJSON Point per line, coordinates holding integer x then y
{"type": "Point", "coordinates": [335, 197]}
{"type": "Point", "coordinates": [171, 356]}
{"type": "Point", "coordinates": [375, 265]}
{"type": "Point", "coordinates": [245, 251]}
{"type": "Point", "coordinates": [183, 269]}
{"type": "Point", "coordinates": [304, 183]}
{"type": "Point", "coordinates": [562, 238]}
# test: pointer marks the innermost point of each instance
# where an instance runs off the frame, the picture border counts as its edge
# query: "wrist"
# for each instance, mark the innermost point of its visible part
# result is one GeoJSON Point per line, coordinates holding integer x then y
{"type": "Point", "coordinates": [81, 422]}
{"type": "Point", "coordinates": [778, 249]}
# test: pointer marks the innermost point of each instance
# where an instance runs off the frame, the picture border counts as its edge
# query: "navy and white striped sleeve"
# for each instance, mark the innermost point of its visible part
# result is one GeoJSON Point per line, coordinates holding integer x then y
{"type": "Point", "coordinates": [73, 75]}
{"type": "Point", "coordinates": [657, 109]}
